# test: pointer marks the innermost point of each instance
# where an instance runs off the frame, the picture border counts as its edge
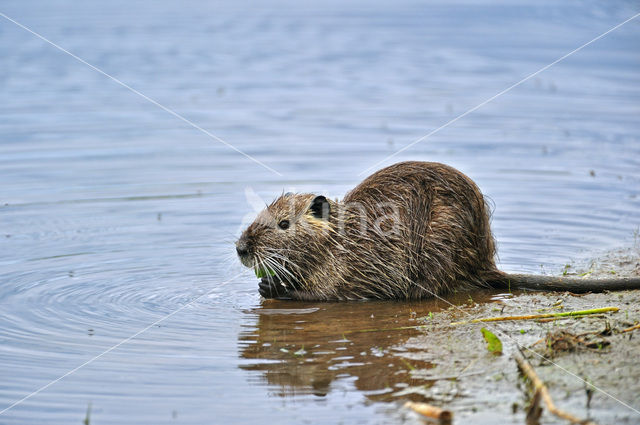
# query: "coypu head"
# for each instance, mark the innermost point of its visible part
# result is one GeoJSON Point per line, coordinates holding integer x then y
{"type": "Point", "coordinates": [289, 236]}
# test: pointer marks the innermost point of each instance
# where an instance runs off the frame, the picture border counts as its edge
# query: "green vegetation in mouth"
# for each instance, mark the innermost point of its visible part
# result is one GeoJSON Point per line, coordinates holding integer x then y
{"type": "Point", "coordinates": [262, 271]}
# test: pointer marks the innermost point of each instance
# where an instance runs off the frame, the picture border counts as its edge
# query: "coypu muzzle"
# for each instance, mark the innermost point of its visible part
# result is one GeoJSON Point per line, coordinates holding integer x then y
{"type": "Point", "coordinates": [243, 250]}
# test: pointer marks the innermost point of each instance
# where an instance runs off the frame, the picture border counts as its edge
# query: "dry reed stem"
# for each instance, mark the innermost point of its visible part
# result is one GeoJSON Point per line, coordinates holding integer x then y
{"type": "Point", "coordinates": [539, 386]}
{"type": "Point", "coordinates": [444, 417]}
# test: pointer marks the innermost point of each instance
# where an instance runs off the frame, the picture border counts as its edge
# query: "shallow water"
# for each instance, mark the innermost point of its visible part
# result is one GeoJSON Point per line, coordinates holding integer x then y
{"type": "Point", "coordinates": [118, 217]}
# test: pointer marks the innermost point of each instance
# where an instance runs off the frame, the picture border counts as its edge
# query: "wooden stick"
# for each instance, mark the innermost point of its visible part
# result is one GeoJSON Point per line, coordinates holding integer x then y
{"type": "Point", "coordinates": [540, 387]}
{"type": "Point", "coordinates": [632, 328]}
{"type": "Point", "coordinates": [534, 411]}
{"type": "Point", "coordinates": [444, 417]}
{"type": "Point", "coordinates": [539, 316]}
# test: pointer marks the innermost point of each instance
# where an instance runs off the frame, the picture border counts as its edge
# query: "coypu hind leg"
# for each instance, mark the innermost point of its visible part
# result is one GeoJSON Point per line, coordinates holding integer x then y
{"type": "Point", "coordinates": [452, 248]}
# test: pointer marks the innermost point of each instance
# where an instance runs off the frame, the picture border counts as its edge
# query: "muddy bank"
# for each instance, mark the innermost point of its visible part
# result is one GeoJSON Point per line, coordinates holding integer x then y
{"type": "Point", "coordinates": [566, 353]}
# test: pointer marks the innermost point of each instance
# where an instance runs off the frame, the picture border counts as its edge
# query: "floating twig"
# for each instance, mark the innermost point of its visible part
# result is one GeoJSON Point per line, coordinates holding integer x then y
{"type": "Point", "coordinates": [539, 316]}
{"type": "Point", "coordinates": [541, 388]}
{"type": "Point", "coordinates": [443, 417]}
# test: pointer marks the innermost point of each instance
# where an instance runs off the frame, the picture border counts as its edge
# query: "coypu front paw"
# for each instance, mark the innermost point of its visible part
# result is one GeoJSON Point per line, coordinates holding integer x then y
{"type": "Point", "coordinates": [272, 287]}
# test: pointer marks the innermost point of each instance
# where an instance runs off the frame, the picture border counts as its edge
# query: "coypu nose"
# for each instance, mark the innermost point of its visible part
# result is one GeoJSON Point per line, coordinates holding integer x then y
{"type": "Point", "coordinates": [241, 248]}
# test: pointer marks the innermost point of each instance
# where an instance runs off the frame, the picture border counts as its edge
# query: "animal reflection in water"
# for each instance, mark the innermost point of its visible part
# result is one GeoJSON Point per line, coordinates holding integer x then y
{"type": "Point", "coordinates": [311, 348]}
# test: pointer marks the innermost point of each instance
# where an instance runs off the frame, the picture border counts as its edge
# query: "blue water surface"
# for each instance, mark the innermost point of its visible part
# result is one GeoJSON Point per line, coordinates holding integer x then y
{"type": "Point", "coordinates": [117, 218]}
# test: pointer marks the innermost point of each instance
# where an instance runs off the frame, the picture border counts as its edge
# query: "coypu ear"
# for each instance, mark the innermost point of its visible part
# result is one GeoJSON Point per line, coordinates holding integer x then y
{"type": "Point", "coordinates": [320, 207]}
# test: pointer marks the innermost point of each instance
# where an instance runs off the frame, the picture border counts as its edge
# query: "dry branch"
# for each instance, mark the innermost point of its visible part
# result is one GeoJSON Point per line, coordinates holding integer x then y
{"type": "Point", "coordinates": [540, 387]}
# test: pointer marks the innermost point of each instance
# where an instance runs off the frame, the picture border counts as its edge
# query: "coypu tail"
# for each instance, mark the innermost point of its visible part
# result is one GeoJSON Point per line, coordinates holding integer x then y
{"type": "Point", "coordinates": [510, 281]}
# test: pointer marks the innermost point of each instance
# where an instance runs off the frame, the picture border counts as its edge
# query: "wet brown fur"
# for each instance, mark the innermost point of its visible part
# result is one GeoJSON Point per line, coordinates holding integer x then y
{"type": "Point", "coordinates": [412, 230]}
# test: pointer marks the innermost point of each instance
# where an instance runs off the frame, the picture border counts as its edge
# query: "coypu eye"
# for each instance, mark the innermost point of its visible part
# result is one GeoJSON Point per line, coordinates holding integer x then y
{"type": "Point", "coordinates": [284, 224]}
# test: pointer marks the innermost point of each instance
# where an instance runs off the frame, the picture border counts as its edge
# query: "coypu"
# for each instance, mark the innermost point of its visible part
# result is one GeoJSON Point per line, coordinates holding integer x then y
{"type": "Point", "coordinates": [409, 231]}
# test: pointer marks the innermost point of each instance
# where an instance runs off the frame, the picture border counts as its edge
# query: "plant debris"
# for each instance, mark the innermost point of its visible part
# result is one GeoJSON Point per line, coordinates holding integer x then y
{"type": "Point", "coordinates": [539, 316]}
{"type": "Point", "coordinates": [494, 345]}
{"type": "Point", "coordinates": [541, 389]}
{"type": "Point", "coordinates": [562, 341]}
{"type": "Point", "coordinates": [444, 417]}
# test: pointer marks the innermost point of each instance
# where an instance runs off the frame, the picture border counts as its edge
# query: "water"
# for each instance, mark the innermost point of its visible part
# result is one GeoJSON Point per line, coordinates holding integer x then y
{"type": "Point", "coordinates": [116, 214]}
